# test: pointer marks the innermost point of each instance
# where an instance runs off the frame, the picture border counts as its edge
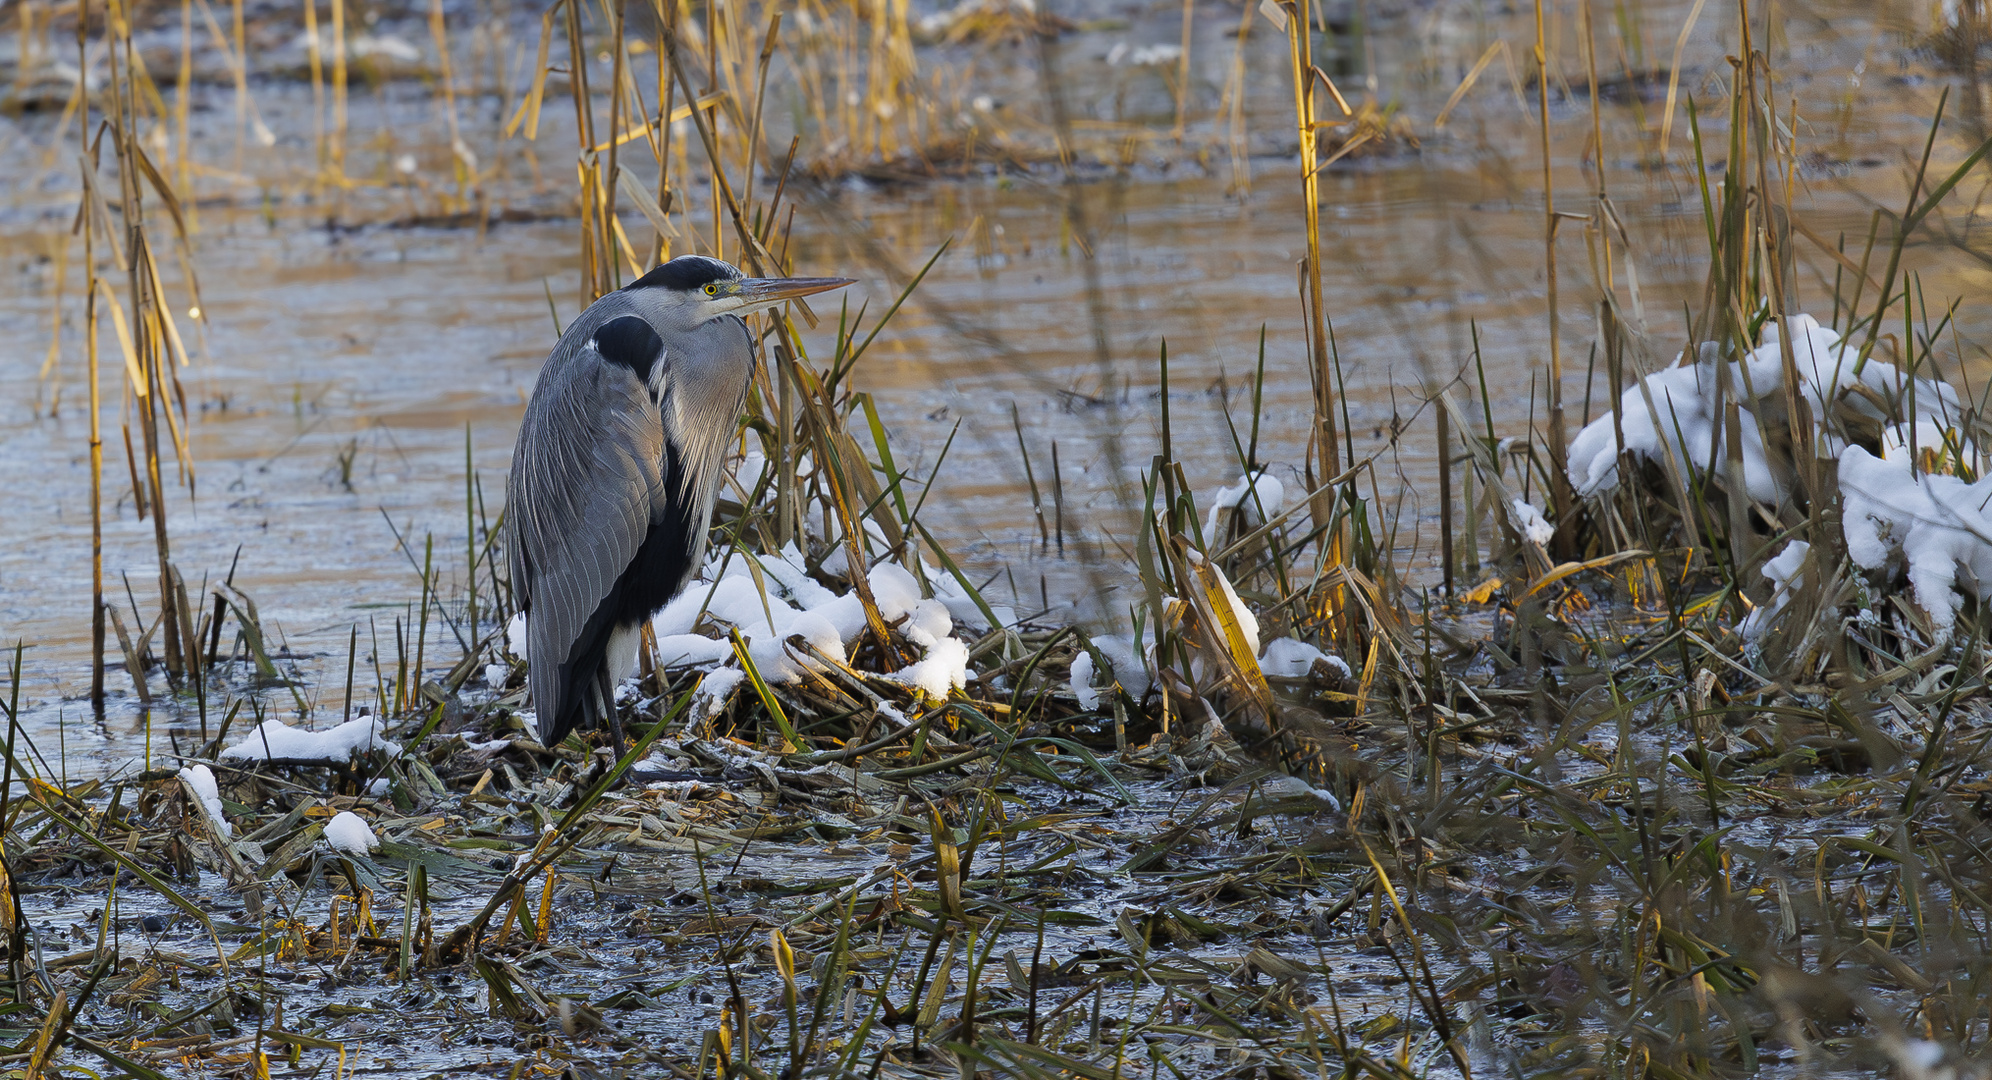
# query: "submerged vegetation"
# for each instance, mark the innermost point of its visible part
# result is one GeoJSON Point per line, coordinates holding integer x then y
{"type": "Point", "coordinates": [1668, 762]}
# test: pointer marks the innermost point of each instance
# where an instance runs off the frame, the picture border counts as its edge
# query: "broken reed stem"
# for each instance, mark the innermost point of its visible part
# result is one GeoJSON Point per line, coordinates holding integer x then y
{"type": "Point", "coordinates": [1030, 477]}
{"type": "Point", "coordinates": [184, 172]}
{"type": "Point", "coordinates": [1559, 485]}
{"type": "Point", "coordinates": [1598, 152]}
{"type": "Point", "coordinates": [96, 398]}
{"type": "Point", "coordinates": [145, 324]}
{"type": "Point", "coordinates": [606, 180]}
{"type": "Point", "coordinates": [470, 539]}
{"type": "Point", "coordinates": [241, 38]}
{"type": "Point", "coordinates": [1058, 496]}
{"type": "Point", "coordinates": [1445, 500]}
{"type": "Point", "coordinates": [592, 280]}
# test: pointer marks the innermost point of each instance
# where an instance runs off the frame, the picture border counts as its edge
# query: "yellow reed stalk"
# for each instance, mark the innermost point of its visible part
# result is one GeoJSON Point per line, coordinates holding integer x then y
{"type": "Point", "coordinates": [459, 153]}
{"type": "Point", "coordinates": [337, 146]}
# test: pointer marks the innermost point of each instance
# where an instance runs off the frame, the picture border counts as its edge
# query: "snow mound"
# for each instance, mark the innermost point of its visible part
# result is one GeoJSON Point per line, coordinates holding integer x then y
{"type": "Point", "coordinates": [1126, 663]}
{"type": "Point", "coordinates": [1082, 681]}
{"type": "Point", "coordinates": [201, 779]}
{"type": "Point", "coordinates": [1937, 524]}
{"type": "Point", "coordinates": [272, 740]}
{"type": "Point", "coordinates": [349, 834]}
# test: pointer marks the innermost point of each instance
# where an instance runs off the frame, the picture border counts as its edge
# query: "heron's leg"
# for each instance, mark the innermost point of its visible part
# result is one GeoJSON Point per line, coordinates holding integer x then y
{"type": "Point", "coordinates": [605, 691]}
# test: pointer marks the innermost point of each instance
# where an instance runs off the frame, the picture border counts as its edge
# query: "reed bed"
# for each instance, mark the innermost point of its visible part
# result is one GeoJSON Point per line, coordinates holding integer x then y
{"type": "Point", "coordinates": [1639, 789]}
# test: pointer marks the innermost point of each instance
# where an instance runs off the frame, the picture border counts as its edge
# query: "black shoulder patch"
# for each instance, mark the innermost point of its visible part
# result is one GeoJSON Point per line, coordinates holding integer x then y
{"type": "Point", "coordinates": [685, 273]}
{"type": "Point", "coordinates": [631, 342]}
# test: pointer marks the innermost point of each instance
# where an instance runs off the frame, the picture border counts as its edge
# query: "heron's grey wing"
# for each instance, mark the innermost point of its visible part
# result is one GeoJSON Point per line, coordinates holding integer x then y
{"type": "Point", "coordinates": [585, 478]}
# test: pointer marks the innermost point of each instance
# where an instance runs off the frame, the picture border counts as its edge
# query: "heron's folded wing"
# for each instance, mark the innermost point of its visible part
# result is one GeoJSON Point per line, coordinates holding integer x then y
{"type": "Point", "coordinates": [585, 479]}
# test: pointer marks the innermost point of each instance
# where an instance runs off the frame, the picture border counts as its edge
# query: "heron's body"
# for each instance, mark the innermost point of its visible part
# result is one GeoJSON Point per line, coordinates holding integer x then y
{"type": "Point", "coordinates": [616, 470]}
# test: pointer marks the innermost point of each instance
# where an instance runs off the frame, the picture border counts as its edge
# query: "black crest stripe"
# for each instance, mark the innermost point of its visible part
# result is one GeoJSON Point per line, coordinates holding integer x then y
{"type": "Point", "coordinates": [630, 342]}
{"type": "Point", "coordinates": [685, 273]}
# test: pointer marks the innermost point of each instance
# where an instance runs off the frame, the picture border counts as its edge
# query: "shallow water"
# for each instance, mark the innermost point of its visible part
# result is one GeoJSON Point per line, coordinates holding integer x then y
{"type": "Point", "coordinates": [346, 375]}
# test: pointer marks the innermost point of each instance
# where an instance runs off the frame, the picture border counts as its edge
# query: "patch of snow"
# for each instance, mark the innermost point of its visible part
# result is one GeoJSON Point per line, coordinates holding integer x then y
{"type": "Point", "coordinates": [515, 636]}
{"type": "Point", "coordinates": [1292, 658]}
{"type": "Point", "coordinates": [1143, 55]}
{"type": "Point", "coordinates": [786, 602]}
{"type": "Point", "coordinates": [1933, 439]}
{"type": "Point", "coordinates": [1529, 521]}
{"type": "Point", "coordinates": [272, 740]}
{"type": "Point", "coordinates": [1082, 681]}
{"type": "Point", "coordinates": [1783, 572]}
{"type": "Point", "coordinates": [714, 691]}
{"type": "Point", "coordinates": [495, 675]}
{"type": "Point", "coordinates": [349, 834]}
{"type": "Point", "coordinates": [943, 670]}
{"type": "Point", "coordinates": [719, 682]}
{"type": "Point", "coordinates": [747, 472]}
{"type": "Point", "coordinates": [364, 47]}
{"type": "Point", "coordinates": [1239, 501]}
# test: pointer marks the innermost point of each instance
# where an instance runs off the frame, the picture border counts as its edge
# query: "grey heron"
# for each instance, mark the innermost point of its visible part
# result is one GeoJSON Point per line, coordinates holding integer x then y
{"type": "Point", "coordinates": [616, 469]}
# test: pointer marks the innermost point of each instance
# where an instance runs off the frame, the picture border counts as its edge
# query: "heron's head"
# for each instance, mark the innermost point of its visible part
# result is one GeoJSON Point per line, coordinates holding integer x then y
{"type": "Point", "coordinates": [697, 289]}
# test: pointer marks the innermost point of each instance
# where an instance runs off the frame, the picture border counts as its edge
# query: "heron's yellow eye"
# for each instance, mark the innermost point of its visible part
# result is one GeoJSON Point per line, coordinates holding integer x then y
{"type": "Point", "coordinates": [712, 290]}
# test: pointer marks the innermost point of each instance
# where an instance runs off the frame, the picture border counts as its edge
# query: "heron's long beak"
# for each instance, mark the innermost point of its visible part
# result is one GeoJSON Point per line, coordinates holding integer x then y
{"type": "Point", "coordinates": [758, 293]}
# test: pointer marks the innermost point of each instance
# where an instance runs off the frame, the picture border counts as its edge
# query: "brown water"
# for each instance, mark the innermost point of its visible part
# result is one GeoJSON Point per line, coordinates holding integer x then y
{"type": "Point", "coordinates": [346, 375]}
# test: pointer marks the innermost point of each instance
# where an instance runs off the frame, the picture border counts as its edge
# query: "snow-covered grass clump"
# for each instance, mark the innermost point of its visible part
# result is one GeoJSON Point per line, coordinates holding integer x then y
{"type": "Point", "coordinates": [1131, 663]}
{"type": "Point", "coordinates": [1675, 413]}
{"type": "Point", "coordinates": [1899, 510]}
{"type": "Point", "coordinates": [774, 599]}
{"type": "Point", "coordinates": [272, 740]}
